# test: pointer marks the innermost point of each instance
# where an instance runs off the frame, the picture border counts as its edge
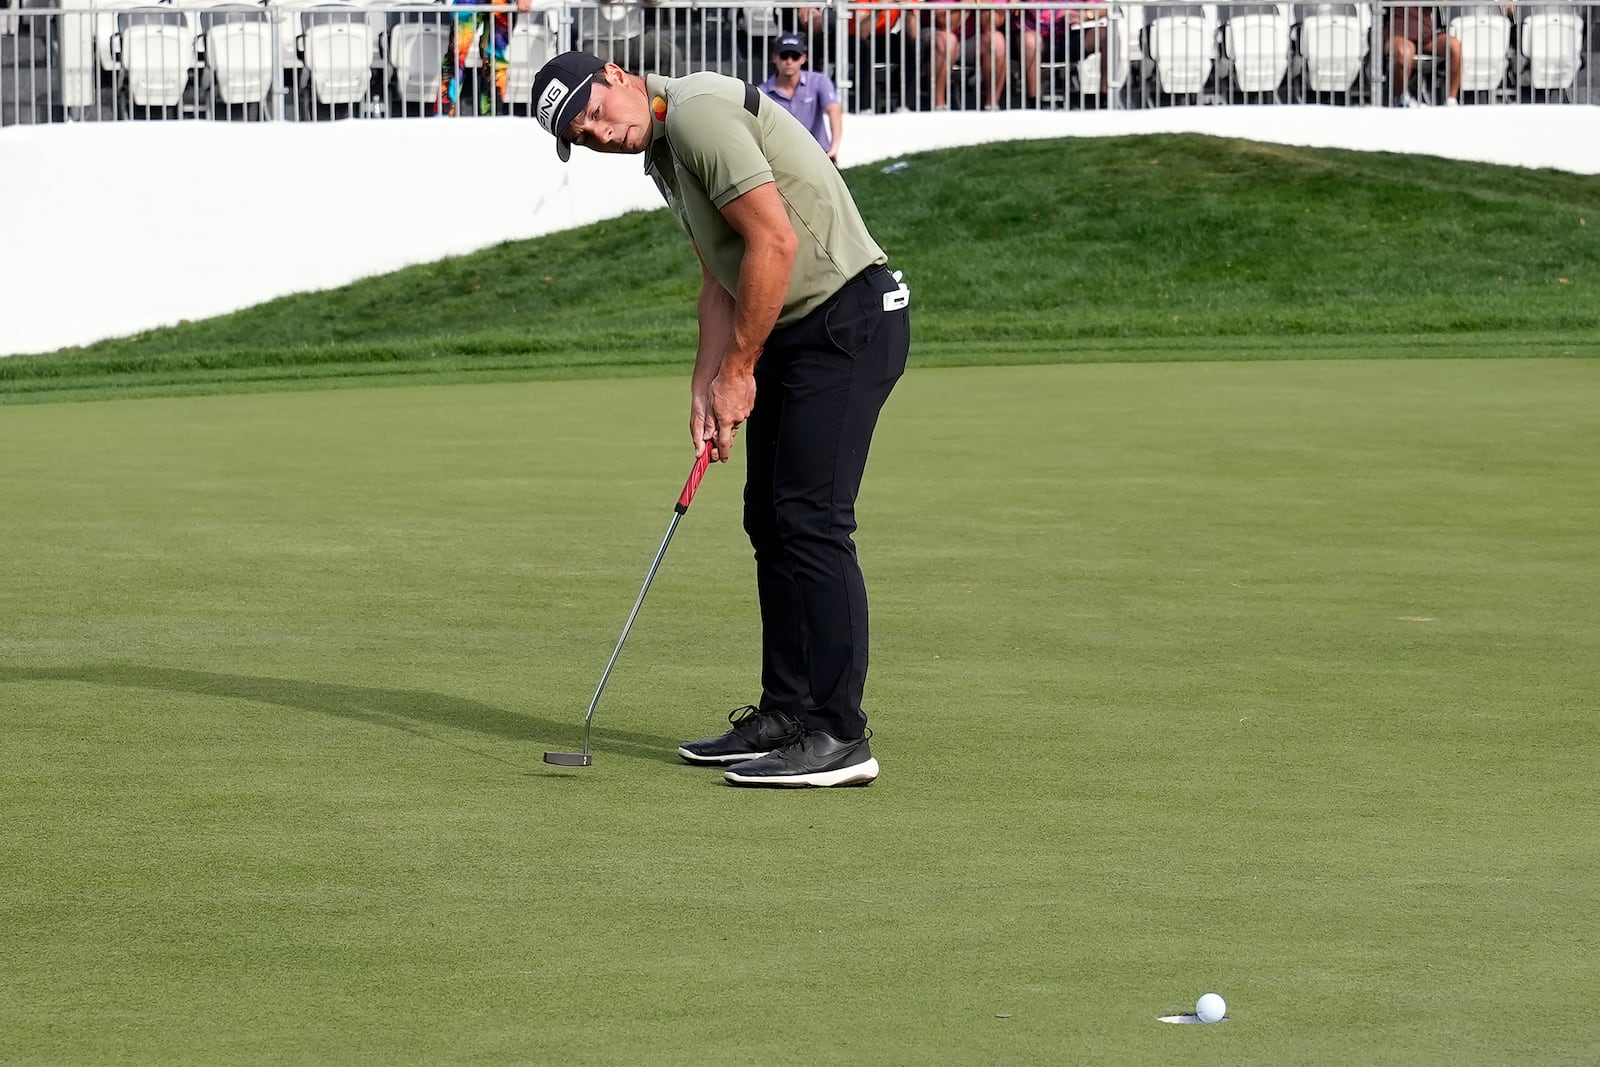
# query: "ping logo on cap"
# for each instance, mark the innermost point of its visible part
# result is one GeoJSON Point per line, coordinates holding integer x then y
{"type": "Point", "coordinates": [550, 104]}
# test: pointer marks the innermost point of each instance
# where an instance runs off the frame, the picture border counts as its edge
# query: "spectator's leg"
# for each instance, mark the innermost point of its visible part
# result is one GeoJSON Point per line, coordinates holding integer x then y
{"type": "Point", "coordinates": [914, 70]}
{"type": "Point", "coordinates": [1402, 57]}
{"type": "Point", "coordinates": [495, 64]}
{"type": "Point", "coordinates": [1450, 48]}
{"type": "Point", "coordinates": [463, 25]}
{"type": "Point", "coordinates": [1030, 66]}
{"type": "Point", "coordinates": [993, 52]}
{"type": "Point", "coordinates": [943, 53]}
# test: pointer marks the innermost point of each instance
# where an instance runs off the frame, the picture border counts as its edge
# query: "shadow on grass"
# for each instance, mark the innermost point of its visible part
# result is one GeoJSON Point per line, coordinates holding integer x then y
{"type": "Point", "coordinates": [410, 710]}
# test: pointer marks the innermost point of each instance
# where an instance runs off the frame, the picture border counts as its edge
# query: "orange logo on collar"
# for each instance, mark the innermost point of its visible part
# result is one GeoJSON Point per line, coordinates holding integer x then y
{"type": "Point", "coordinates": [658, 107]}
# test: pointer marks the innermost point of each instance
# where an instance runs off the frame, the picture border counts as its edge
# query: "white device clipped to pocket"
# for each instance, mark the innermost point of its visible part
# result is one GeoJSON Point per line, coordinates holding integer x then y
{"type": "Point", "coordinates": [900, 299]}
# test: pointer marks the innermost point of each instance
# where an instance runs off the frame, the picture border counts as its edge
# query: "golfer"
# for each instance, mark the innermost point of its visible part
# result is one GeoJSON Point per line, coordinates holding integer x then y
{"type": "Point", "coordinates": [803, 333]}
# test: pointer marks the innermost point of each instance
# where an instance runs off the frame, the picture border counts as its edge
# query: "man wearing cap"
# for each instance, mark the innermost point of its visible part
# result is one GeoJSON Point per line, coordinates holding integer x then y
{"type": "Point", "coordinates": [808, 95]}
{"type": "Point", "coordinates": [803, 333]}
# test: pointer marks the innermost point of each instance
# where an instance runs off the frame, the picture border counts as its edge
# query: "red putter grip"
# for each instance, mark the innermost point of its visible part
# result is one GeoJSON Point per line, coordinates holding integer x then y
{"type": "Point", "coordinates": [695, 475]}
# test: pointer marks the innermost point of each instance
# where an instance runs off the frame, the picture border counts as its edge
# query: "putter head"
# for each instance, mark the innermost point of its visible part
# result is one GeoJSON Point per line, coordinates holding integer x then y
{"type": "Point", "coordinates": [569, 759]}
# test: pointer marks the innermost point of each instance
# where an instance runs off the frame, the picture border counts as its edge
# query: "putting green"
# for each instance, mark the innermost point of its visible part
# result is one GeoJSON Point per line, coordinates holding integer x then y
{"type": "Point", "coordinates": [1276, 679]}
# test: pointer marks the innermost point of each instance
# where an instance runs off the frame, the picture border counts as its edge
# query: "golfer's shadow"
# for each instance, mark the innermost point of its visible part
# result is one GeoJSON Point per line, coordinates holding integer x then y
{"type": "Point", "coordinates": [410, 710]}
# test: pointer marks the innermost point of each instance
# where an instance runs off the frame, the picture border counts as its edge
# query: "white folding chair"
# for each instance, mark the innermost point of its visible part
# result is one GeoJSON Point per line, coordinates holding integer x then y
{"type": "Point", "coordinates": [1332, 46]}
{"type": "Point", "coordinates": [239, 64]}
{"type": "Point", "coordinates": [606, 27]}
{"type": "Point", "coordinates": [1552, 42]}
{"type": "Point", "coordinates": [105, 28]}
{"type": "Point", "coordinates": [535, 40]}
{"type": "Point", "coordinates": [1255, 41]}
{"type": "Point", "coordinates": [761, 20]}
{"type": "Point", "coordinates": [1181, 41]}
{"type": "Point", "coordinates": [1485, 36]}
{"type": "Point", "coordinates": [415, 54]}
{"type": "Point", "coordinates": [337, 45]}
{"type": "Point", "coordinates": [154, 48]}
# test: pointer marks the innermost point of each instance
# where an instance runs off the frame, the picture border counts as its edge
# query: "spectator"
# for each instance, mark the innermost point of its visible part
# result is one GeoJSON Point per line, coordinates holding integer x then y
{"type": "Point", "coordinates": [880, 48]}
{"type": "Point", "coordinates": [815, 24]}
{"type": "Point", "coordinates": [1062, 35]}
{"type": "Point", "coordinates": [493, 31]}
{"type": "Point", "coordinates": [983, 45]}
{"type": "Point", "coordinates": [940, 42]}
{"type": "Point", "coordinates": [1408, 31]}
{"type": "Point", "coordinates": [808, 95]}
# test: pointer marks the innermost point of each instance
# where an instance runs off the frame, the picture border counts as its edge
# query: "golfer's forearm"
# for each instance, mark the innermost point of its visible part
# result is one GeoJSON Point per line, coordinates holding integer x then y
{"type": "Point", "coordinates": [760, 218]}
{"type": "Point", "coordinates": [715, 309]}
{"type": "Point", "coordinates": [835, 126]}
{"type": "Point", "coordinates": [763, 284]}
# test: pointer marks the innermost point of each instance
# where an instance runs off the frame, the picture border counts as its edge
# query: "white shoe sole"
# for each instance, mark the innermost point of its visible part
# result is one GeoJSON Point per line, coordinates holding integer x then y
{"type": "Point", "coordinates": [719, 761]}
{"type": "Point", "coordinates": [858, 774]}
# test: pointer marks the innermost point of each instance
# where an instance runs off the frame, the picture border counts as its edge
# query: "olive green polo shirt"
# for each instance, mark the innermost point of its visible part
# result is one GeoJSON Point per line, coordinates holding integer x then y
{"type": "Point", "coordinates": [707, 150]}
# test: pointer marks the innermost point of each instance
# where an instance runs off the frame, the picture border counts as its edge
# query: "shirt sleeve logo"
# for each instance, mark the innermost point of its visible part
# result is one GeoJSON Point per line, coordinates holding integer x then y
{"type": "Point", "coordinates": [658, 108]}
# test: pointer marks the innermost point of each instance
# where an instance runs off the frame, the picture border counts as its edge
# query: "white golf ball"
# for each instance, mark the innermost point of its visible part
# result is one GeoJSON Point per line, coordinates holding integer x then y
{"type": "Point", "coordinates": [1210, 1008]}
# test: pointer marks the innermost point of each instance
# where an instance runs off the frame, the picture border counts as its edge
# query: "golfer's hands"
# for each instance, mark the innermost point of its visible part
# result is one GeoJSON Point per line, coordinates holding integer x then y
{"type": "Point", "coordinates": [731, 398]}
{"type": "Point", "coordinates": [701, 428]}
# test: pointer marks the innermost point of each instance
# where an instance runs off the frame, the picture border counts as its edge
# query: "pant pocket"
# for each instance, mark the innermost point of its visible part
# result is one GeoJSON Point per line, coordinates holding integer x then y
{"type": "Point", "coordinates": [854, 318]}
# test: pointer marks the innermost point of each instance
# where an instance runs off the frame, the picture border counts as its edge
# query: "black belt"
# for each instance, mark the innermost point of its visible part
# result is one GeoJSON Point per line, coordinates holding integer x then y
{"type": "Point", "coordinates": [876, 268]}
{"type": "Point", "coordinates": [857, 279]}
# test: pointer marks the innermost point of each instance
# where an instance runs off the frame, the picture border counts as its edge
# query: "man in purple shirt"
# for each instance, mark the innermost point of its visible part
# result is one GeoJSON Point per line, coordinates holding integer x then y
{"type": "Point", "coordinates": [806, 94]}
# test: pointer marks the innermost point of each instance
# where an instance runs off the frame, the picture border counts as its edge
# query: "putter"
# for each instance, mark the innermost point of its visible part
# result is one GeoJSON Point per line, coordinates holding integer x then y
{"type": "Point", "coordinates": [582, 758]}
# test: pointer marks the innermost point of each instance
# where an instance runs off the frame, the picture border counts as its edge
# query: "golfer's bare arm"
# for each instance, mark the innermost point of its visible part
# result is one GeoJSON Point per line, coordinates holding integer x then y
{"type": "Point", "coordinates": [723, 392]}
{"type": "Point", "coordinates": [732, 330]}
{"type": "Point", "coordinates": [769, 246]}
{"type": "Point", "coordinates": [715, 312]}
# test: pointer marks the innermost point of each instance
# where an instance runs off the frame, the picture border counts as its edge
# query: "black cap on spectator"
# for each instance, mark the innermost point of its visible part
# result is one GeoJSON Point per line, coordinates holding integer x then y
{"type": "Point", "coordinates": [561, 91]}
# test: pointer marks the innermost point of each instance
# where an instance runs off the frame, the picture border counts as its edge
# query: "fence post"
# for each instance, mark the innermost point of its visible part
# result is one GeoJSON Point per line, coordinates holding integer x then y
{"type": "Point", "coordinates": [841, 46]}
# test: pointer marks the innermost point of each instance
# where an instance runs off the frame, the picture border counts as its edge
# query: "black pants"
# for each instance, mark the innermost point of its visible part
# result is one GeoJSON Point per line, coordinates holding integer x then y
{"type": "Point", "coordinates": [820, 384]}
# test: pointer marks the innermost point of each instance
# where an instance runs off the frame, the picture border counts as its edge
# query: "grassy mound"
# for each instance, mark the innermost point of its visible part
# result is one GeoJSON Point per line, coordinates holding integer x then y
{"type": "Point", "coordinates": [1165, 247]}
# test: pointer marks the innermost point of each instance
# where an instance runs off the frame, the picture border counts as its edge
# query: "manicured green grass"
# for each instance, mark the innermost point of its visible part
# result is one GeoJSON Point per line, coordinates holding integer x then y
{"type": "Point", "coordinates": [1274, 678]}
{"type": "Point", "coordinates": [1164, 248]}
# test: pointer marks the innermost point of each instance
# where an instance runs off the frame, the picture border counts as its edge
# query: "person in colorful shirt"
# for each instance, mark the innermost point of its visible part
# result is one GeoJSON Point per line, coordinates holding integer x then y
{"type": "Point", "coordinates": [493, 31]}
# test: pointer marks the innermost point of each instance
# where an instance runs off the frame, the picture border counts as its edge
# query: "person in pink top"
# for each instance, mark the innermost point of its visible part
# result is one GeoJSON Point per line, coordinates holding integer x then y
{"type": "Point", "coordinates": [982, 40]}
{"type": "Point", "coordinates": [1064, 35]}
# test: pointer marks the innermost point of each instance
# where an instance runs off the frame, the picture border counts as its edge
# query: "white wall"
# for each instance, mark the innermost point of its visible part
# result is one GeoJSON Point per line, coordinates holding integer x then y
{"type": "Point", "coordinates": [110, 228]}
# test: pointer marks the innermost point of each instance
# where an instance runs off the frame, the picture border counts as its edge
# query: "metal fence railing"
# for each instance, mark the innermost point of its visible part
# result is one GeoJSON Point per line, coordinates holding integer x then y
{"type": "Point", "coordinates": [98, 60]}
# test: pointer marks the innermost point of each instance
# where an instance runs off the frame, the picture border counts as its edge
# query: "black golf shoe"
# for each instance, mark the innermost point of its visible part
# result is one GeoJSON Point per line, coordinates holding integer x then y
{"type": "Point", "coordinates": [755, 733]}
{"type": "Point", "coordinates": [813, 758]}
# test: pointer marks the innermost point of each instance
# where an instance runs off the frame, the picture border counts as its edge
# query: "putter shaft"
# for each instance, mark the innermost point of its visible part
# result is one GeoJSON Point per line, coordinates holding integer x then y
{"type": "Point", "coordinates": [582, 758]}
{"type": "Point", "coordinates": [655, 565]}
